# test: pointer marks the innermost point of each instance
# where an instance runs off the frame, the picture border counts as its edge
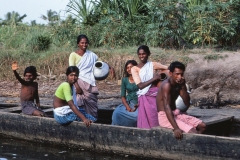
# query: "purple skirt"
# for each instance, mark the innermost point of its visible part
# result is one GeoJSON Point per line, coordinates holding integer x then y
{"type": "Point", "coordinates": [147, 110]}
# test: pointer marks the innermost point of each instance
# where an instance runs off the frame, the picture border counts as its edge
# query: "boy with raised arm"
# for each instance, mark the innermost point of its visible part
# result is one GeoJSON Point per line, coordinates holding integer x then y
{"type": "Point", "coordinates": [29, 91]}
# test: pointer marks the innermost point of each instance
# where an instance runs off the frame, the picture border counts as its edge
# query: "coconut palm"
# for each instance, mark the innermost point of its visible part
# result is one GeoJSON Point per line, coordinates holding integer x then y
{"type": "Point", "coordinates": [33, 23]}
{"type": "Point", "coordinates": [134, 8]}
{"type": "Point", "coordinates": [105, 6]}
{"type": "Point", "coordinates": [13, 18]}
{"type": "Point", "coordinates": [82, 9]}
{"type": "Point", "coordinates": [52, 17]}
{"type": "Point", "coordinates": [69, 20]}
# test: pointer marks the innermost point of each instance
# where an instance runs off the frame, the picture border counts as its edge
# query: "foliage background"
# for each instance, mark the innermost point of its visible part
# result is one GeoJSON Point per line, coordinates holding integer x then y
{"type": "Point", "coordinates": [114, 25]}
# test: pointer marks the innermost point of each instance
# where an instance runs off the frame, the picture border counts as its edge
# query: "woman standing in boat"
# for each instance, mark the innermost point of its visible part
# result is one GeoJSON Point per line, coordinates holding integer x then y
{"type": "Point", "coordinates": [65, 111]}
{"type": "Point", "coordinates": [146, 80]}
{"type": "Point", "coordinates": [126, 113]}
{"type": "Point", "coordinates": [86, 88]}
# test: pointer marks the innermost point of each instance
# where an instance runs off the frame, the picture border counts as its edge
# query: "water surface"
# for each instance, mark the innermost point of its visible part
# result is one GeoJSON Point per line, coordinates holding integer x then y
{"type": "Point", "coordinates": [11, 149]}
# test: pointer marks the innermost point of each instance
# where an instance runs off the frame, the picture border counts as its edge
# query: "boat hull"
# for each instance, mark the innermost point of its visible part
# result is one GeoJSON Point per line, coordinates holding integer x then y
{"type": "Point", "coordinates": [154, 143]}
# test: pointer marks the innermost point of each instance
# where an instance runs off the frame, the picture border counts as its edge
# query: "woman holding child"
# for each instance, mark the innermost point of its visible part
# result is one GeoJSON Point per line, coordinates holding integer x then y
{"type": "Point", "coordinates": [86, 88]}
{"type": "Point", "coordinates": [126, 113]}
{"type": "Point", "coordinates": [147, 81]}
{"type": "Point", "coordinates": [65, 111]}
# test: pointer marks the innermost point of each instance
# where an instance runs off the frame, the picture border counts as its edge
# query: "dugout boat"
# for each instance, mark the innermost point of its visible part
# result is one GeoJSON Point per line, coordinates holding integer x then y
{"type": "Point", "coordinates": [156, 143]}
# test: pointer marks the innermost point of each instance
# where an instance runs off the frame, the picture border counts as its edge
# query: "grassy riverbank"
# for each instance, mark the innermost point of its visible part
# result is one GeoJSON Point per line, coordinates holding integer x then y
{"type": "Point", "coordinates": [115, 30]}
{"type": "Point", "coordinates": [55, 60]}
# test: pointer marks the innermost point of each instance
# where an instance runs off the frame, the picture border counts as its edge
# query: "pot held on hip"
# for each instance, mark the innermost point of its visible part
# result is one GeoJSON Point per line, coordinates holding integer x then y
{"type": "Point", "coordinates": [100, 70]}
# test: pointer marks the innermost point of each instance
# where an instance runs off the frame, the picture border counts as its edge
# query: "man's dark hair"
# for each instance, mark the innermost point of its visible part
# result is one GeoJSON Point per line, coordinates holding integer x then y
{"type": "Point", "coordinates": [71, 69]}
{"type": "Point", "coordinates": [31, 69]}
{"type": "Point", "coordinates": [133, 62]}
{"type": "Point", "coordinates": [176, 64]}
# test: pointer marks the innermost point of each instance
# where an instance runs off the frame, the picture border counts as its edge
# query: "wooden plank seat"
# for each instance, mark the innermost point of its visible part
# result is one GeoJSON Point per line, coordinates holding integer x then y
{"type": "Point", "coordinates": [11, 109]}
{"type": "Point", "coordinates": [213, 119]}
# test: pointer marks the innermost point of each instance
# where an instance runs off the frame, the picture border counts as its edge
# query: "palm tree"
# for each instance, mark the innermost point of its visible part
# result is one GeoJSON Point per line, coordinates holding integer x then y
{"type": "Point", "coordinates": [82, 9]}
{"type": "Point", "coordinates": [33, 23]}
{"type": "Point", "coordinates": [52, 17]}
{"type": "Point", "coordinates": [13, 18]}
{"type": "Point", "coordinates": [69, 20]}
{"type": "Point", "coordinates": [134, 7]}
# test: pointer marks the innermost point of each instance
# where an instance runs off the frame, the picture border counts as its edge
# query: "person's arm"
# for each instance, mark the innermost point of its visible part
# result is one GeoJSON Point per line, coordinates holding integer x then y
{"type": "Point", "coordinates": [184, 94]}
{"type": "Point", "coordinates": [78, 88]}
{"type": "Point", "coordinates": [167, 102]}
{"type": "Point", "coordinates": [124, 101]}
{"type": "Point", "coordinates": [137, 79]}
{"type": "Point", "coordinates": [142, 85]}
{"type": "Point", "coordinates": [67, 94]}
{"type": "Point", "coordinates": [78, 113]}
{"type": "Point", "coordinates": [161, 68]}
{"type": "Point", "coordinates": [22, 81]}
{"type": "Point", "coordinates": [37, 96]}
{"type": "Point", "coordinates": [71, 60]}
{"type": "Point", "coordinates": [123, 95]}
{"type": "Point", "coordinates": [14, 68]}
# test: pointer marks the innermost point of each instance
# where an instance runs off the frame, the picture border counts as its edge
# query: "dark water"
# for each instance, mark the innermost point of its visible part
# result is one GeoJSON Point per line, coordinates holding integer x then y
{"type": "Point", "coordinates": [19, 149]}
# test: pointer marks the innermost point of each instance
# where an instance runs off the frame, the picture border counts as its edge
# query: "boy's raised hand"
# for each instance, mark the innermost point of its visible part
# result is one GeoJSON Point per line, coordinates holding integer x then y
{"type": "Point", "coordinates": [14, 66]}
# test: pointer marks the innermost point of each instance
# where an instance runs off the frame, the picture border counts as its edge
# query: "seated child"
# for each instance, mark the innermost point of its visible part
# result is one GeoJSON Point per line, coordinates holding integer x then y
{"type": "Point", "coordinates": [29, 91]}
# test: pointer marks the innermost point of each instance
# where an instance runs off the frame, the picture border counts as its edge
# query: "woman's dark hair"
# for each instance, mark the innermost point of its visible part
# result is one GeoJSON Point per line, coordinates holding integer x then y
{"type": "Point", "coordinates": [31, 69]}
{"type": "Point", "coordinates": [71, 69]}
{"type": "Point", "coordinates": [145, 48]}
{"type": "Point", "coordinates": [133, 62]}
{"type": "Point", "coordinates": [176, 64]}
{"type": "Point", "coordinates": [82, 36]}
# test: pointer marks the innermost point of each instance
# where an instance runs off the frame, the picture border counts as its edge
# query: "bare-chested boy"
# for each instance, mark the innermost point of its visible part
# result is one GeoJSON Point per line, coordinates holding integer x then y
{"type": "Point", "coordinates": [168, 115]}
{"type": "Point", "coordinates": [29, 91]}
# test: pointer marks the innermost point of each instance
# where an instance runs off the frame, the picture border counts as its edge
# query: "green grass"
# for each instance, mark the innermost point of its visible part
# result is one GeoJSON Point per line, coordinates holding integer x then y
{"type": "Point", "coordinates": [16, 44]}
{"type": "Point", "coordinates": [55, 60]}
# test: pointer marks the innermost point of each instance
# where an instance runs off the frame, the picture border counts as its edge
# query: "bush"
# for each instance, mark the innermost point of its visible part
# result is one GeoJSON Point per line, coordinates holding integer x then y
{"type": "Point", "coordinates": [212, 22]}
{"type": "Point", "coordinates": [40, 43]}
{"type": "Point", "coordinates": [167, 24]}
{"type": "Point", "coordinates": [43, 42]}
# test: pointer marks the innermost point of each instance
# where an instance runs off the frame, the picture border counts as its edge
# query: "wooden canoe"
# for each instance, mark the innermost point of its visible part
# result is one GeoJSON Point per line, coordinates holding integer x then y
{"type": "Point", "coordinates": [155, 143]}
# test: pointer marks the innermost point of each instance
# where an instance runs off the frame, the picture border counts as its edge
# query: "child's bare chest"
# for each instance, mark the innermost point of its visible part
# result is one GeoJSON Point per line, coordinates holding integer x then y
{"type": "Point", "coordinates": [31, 89]}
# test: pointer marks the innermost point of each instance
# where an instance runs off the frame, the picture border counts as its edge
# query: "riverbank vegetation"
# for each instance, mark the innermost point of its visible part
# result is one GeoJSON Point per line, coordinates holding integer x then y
{"type": "Point", "coordinates": [115, 29]}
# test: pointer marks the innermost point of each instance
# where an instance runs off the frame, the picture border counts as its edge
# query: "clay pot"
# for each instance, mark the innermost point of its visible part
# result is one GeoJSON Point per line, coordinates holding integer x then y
{"type": "Point", "coordinates": [100, 70]}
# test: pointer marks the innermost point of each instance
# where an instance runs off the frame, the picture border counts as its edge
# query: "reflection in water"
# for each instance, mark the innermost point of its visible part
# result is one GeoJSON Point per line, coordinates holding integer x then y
{"type": "Point", "coordinates": [19, 149]}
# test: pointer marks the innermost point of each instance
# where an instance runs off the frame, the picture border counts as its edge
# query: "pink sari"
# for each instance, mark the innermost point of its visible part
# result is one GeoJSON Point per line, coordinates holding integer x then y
{"type": "Point", "coordinates": [147, 109]}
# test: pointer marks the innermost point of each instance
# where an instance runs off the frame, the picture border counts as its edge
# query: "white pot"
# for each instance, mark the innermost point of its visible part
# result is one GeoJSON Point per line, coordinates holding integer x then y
{"type": "Point", "coordinates": [180, 104]}
{"type": "Point", "coordinates": [100, 70]}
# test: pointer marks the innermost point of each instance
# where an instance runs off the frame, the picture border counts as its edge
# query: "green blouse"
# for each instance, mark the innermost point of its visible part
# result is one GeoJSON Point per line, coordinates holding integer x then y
{"type": "Point", "coordinates": [64, 92]}
{"type": "Point", "coordinates": [131, 90]}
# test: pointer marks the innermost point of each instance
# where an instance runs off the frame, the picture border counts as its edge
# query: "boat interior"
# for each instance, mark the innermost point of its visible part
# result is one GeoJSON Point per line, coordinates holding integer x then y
{"type": "Point", "coordinates": [219, 125]}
